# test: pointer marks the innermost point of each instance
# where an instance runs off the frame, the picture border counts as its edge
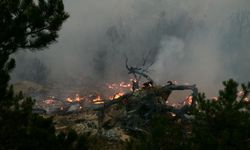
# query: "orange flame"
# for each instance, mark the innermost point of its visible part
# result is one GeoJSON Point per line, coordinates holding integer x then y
{"type": "Point", "coordinates": [189, 100]}
{"type": "Point", "coordinates": [76, 99]}
{"type": "Point", "coordinates": [116, 96]}
{"type": "Point", "coordinates": [69, 100]}
{"type": "Point", "coordinates": [118, 85]}
{"type": "Point", "coordinates": [98, 102]}
{"type": "Point", "coordinates": [125, 85]}
{"type": "Point", "coordinates": [97, 99]}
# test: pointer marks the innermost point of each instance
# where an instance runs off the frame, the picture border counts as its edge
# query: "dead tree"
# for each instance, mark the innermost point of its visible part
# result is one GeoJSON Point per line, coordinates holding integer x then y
{"type": "Point", "coordinates": [139, 72]}
{"type": "Point", "coordinates": [167, 89]}
{"type": "Point", "coordinates": [173, 87]}
{"type": "Point", "coordinates": [140, 110]}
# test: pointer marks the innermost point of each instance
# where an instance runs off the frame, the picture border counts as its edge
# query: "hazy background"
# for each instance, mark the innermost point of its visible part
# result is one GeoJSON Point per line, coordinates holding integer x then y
{"type": "Point", "coordinates": [190, 41]}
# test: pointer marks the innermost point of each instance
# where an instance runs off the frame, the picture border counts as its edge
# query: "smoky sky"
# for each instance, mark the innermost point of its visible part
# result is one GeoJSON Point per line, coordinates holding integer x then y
{"type": "Point", "coordinates": [201, 42]}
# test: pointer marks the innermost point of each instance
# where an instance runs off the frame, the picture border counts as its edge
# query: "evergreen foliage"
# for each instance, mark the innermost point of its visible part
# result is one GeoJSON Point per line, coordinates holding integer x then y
{"type": "Point", "coordinates": [223, 123]}
{"type": "Point", "coordinates": [217, 124]}
{"type": "Point", "coordinates": [34, 25]}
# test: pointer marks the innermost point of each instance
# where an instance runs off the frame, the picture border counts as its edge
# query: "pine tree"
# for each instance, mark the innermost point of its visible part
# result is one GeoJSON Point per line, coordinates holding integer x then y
{"type": "Point", "coordinates": [26, 24]}
{"type": "Point", "coordinates": [223, 123]}
{"type": "Point", "coordinates": [33, 25]}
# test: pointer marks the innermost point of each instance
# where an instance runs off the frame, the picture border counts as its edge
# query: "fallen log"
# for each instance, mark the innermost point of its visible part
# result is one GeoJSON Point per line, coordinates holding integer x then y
{"type": "Point", "coordinates": [165, 90]}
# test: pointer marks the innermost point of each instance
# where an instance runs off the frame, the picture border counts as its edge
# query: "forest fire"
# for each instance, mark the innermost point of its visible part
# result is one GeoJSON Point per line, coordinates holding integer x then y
{"type": "Point", "coordinates": [113, 91]}
{"type": "Point", "coordinates": [119, 86]}
{"type": "Point", "coordinates": [98, 100]}
{"type": "Point", "coordinates": [118, 89]}
{"type": "Point", "coordinates": [76, 99]}
{"type": "Point", "coordinates": [116, 96]}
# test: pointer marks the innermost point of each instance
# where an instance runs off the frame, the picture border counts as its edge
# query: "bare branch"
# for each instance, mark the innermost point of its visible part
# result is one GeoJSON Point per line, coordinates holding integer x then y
{"type": "Point", "coordinates": [141, 71]}
{"type": "Point", "coordinates": [126, 62]}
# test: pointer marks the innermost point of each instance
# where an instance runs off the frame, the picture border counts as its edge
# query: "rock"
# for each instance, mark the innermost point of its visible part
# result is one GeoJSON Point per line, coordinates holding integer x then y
{"type": "Point", "coordinates": [116, 134]}
{"type": "Point", "coordinates": [86, 128]}
{"type": "Point", "coordinates": [74, 108]}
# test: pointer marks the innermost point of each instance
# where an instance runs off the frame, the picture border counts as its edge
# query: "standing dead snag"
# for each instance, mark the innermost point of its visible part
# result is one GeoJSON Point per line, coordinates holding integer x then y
{"type": "Point", "coordinates": [139, 72]}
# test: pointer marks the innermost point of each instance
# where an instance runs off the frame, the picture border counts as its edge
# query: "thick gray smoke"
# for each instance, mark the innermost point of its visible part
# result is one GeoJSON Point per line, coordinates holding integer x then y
{"type": "Point", "coordinates": [194, 41]}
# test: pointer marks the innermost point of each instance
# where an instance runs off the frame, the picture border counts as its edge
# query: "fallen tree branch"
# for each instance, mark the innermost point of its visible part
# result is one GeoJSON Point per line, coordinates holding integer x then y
{"type": "Point", "coordinates": [164, 90]}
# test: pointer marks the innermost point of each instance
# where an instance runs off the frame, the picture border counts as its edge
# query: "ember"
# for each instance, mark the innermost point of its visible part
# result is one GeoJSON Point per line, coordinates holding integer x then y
{"type": "Point", "coordinates": [246, 99]}
{"type": "Point", "coordinates": [214, 98]}
{"type": "Point", "coordinates": [76, 99]}
{"type": "Point", "coordinates": [119, 86]}
{"type": "Point", "coordinates": [98, 100]}
{"type": "Point", "coordinates": [116, 96]}
{"type": "Point", "coordinates": [188, 100]}
{"type": "Point", "coordinates": [240, 93]}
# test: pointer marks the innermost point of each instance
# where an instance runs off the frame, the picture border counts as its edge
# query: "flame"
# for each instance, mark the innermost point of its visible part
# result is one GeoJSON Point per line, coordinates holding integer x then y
{"type": "Point", "coordinates": [189, 100]}
{"type": "Point", "coordinates": [117, 95]}
{"type": "Point", "coordinates": [97, 99]}
{"type": "Point", "coordinates": [215, 98]}
{"type": "Point", "coordinates": [125, 85]}
{"type": "Point", "coordinates": [240, 93]}
{"type": "Point", "coordinates": [120, 85]}
{"type": "Point", "coordinates": [76, 99]}
{"type": "Point", "coordinates": [100, 102]}
{"type": "Point", "coordinates": [246, 99]}
{"type": "Point", "coordinates": [173, 114]}
{"type": "Point", "coordinates": [119, 88]}
{"type": "Point", "coordinates": [69, 100]}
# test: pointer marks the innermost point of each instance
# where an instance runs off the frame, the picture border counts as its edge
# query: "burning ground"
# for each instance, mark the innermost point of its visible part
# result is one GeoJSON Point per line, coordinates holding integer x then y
{"type": "Point", "coordinates": [112, 116]}
{"type": "Point", "coordinates": [86, 88]}
{"type": "Point", "coordinates": [115, 113]}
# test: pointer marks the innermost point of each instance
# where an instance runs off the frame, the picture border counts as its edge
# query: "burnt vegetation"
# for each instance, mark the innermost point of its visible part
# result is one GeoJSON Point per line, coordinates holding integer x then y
{"type": "Point", "coordinates": [221, 123]}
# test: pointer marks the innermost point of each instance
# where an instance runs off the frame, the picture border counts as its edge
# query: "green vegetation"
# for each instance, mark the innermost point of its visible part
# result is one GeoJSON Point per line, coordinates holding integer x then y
{"type": "Point", "coordinates": [28, 24]}
{"type": "Point", "coordinates": [216, 124]}
{"type": "Point", "coordinates": [34, 25]}
{"type": "Point", "coordinates": [224, 123]}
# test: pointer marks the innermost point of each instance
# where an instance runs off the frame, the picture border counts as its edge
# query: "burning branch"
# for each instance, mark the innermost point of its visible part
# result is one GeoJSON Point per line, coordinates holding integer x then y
{"type": "Point", "coordinates": [165, 90]}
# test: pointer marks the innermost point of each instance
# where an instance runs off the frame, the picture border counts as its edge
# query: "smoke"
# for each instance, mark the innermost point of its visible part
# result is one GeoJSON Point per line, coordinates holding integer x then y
{"type": "Point", "coordinates": [195, 41]}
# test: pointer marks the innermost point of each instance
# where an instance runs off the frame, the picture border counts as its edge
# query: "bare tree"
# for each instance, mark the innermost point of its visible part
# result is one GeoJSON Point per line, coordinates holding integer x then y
{"type": "Point", "coordinates": [139, 72]}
